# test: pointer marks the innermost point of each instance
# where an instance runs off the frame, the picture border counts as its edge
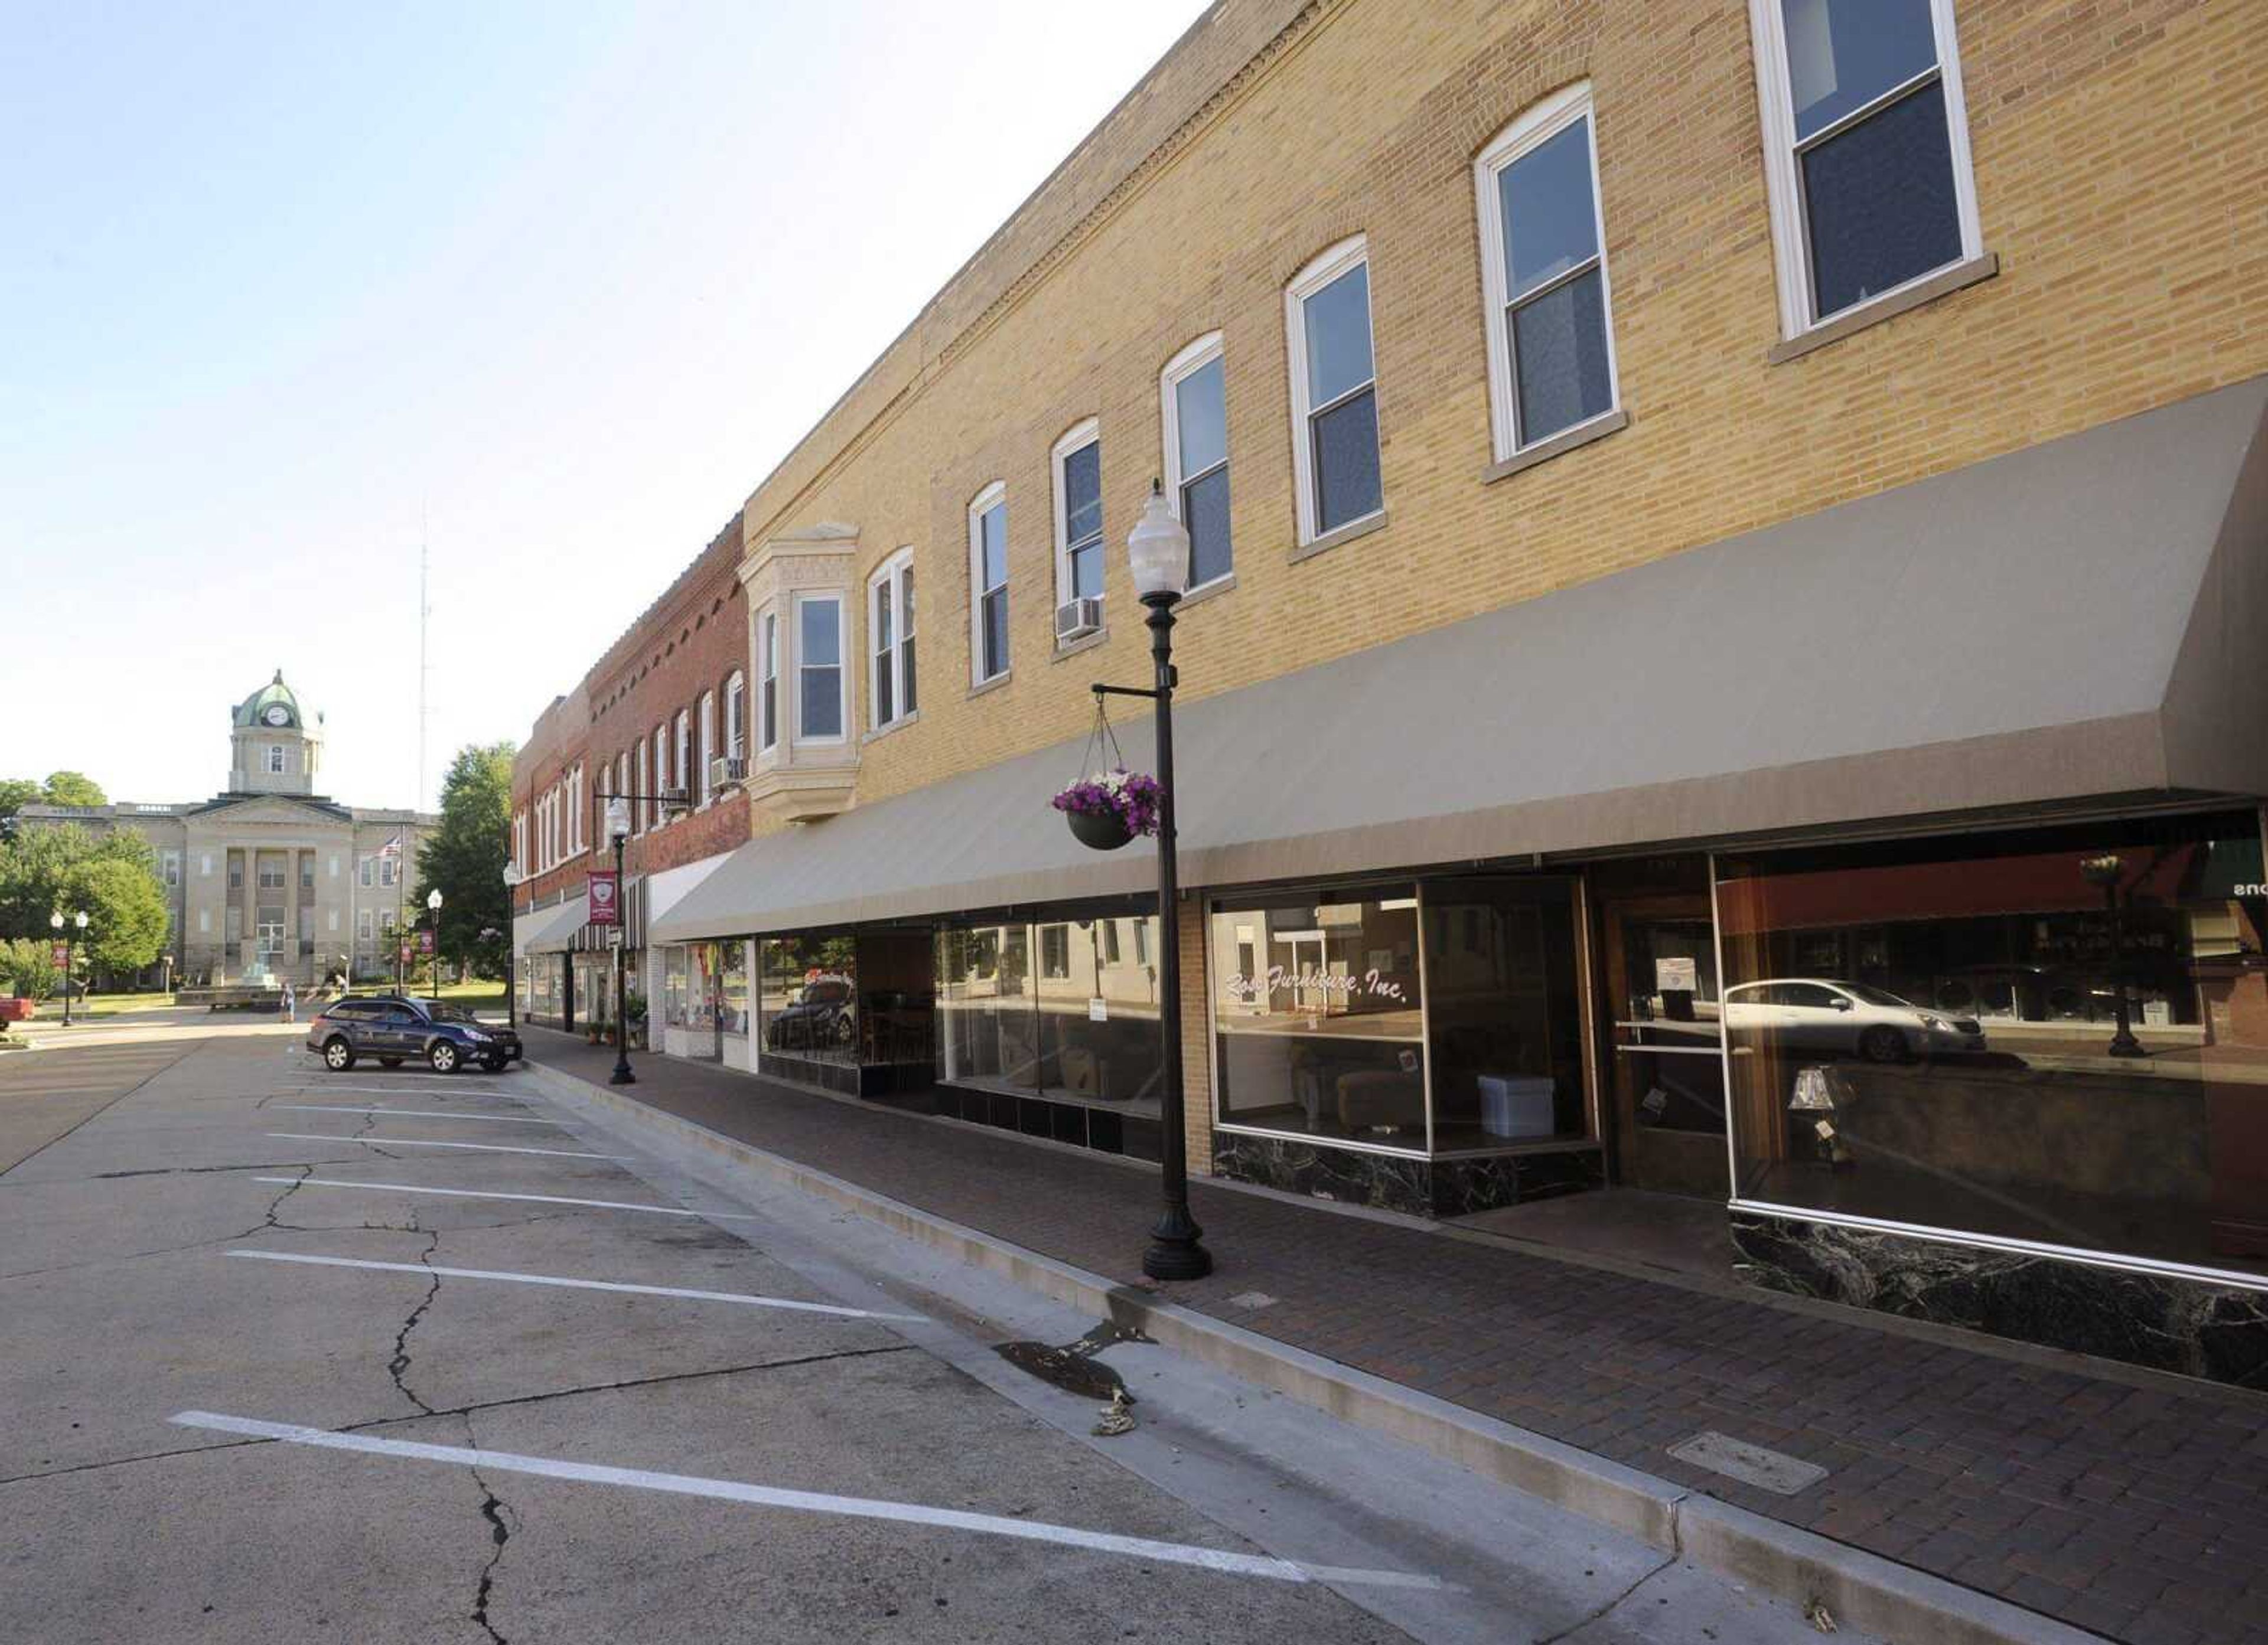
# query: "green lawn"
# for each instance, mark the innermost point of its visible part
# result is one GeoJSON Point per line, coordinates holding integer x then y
{"type": "Point", "coordinates": [105, 1005]}
{"type": "Point", "coordinates": [477, 995]}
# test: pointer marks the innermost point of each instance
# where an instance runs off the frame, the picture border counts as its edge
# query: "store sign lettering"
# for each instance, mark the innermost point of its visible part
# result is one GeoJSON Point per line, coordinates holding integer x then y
{"type": "Point", "coordinates": [1374, 984]}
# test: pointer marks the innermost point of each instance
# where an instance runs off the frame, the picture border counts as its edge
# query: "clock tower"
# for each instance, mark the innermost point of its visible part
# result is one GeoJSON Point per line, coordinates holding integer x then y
{"type": "Point", "coordinates": [273, 747]}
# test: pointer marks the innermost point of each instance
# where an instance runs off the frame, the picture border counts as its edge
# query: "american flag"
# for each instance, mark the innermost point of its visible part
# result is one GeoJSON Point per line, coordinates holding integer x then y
{"type": "Point", "coordinates": [391, 848]}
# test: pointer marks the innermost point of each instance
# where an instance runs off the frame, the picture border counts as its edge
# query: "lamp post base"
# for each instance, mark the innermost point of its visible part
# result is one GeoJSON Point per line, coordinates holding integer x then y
{"type": "Point", "coordinates": [2123, 1043]}
{"type": "Point", "coordinates": [622, 1075]}
{"type": "Point", "coordinates": [1174, 1253]}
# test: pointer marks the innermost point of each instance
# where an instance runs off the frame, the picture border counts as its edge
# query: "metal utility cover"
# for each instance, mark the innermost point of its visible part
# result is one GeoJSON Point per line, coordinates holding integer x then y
{"type": "Point", "coordinates": [1750, 1465]}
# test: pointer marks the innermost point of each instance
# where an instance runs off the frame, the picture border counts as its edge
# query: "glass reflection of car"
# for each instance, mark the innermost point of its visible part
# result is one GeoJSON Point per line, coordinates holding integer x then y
{"type": "Point", "coordinates": [1851, 1018]}
{"type": "Point", "coordinates": [821, 1016]}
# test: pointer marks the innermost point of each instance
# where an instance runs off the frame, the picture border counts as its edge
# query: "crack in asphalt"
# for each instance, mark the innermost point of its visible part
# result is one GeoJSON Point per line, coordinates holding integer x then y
{"type": "Point", "coordinates": [191, 1171]}
{"type": "Point", "coordinates": [398, 1367]}
{"type": "Point", "coordinates": [120, 1462]}
{"type": "Point", "coordinates": [169, 1063]}
{"type": "Point", "coordinates": [634, 1382]}
{"type": "Point", "coordinates": [1608, 1609]}
{"type": "Point", "coordinates": [493, 1510]}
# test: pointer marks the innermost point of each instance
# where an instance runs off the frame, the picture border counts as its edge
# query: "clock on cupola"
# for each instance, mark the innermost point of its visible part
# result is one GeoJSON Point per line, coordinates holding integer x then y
{"type": "Point", "coordinates": [276, 747]}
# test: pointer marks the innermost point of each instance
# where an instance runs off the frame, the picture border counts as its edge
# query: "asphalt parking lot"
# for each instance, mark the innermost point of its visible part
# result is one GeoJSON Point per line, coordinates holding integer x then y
{"type": "Point", "coordinates": [386, 1355]}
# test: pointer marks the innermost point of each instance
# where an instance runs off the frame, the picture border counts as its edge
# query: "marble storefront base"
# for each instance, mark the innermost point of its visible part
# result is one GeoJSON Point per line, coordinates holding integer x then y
{"type": "Point", "coordinates": [2188, 1326]}
{"type": "Point", "coordinates": [1456, 1186]}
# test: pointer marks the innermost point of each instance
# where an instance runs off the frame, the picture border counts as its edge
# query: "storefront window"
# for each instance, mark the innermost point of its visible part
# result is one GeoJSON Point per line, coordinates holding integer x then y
{"type": "Point", "coordinates": [1926, 1032]}
{"type": "Point", "coordinates": [809, 997]}
{"type": "Point", "coordinates": [736, 987]}
{"type": "Point", "coordinates": [673, 987]}
{"type": "Point", "coordinates": [1316, 1017]}
{"type": "Point", "coordinates": [1330, 1022]}
{"type": "Point", "coordinates": [1084, 1027]}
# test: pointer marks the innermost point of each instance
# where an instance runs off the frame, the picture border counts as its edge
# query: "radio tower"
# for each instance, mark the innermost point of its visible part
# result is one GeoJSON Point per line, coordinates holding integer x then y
{"type": "Point", "coordinates": [424, 613]}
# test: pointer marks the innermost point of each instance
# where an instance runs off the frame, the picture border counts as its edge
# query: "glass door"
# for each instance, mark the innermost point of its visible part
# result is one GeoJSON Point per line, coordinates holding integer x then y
{"type": "Point", "coordinates": [1669, 1045]}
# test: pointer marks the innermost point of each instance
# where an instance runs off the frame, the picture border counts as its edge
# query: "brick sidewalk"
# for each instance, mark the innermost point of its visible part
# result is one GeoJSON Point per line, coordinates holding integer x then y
{"type": "Point", "coordinates": [2140, 1513]}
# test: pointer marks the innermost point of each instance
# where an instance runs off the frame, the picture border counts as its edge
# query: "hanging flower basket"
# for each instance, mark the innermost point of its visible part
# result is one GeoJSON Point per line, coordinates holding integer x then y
{"type": "Point", "coordinates": [1109, 809]}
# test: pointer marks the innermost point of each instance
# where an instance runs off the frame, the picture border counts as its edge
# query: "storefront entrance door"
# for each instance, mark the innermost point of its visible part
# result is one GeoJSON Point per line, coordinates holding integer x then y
{"type": "Point", "coordinates": [1669, 1047]}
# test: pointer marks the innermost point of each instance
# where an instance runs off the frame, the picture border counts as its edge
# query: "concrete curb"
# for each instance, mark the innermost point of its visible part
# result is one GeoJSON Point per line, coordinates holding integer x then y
{"type": "Point", "coordinates": [1861, 1591]}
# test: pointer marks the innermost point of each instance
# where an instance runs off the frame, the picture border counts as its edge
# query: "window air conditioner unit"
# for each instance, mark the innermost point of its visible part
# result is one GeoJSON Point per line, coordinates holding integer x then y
{"type": "Point", "coordinates": [725, 770]}
{"type": "Point", "coordinates": [1077, 617]}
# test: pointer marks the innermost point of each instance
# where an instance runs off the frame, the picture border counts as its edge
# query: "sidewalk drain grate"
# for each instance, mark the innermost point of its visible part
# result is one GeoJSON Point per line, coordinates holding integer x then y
{"type": "Point", "coordinates": [1750, 1465]}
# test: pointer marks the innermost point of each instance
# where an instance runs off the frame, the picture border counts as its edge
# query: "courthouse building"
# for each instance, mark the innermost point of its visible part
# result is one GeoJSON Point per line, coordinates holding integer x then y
{"type": "Point", "coordinates": [270, 878]}
{"type": "Point", "coordinates": [1730, 546]}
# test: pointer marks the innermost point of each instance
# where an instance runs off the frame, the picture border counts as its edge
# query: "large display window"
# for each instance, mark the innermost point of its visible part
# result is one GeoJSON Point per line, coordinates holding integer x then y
{"type": "Point", "coordinates": [733, 993]}
{"type": "Point", "coordinates": [1066, 1008]}
{"type": "Point", "coordinates": [1928, 1033]}
{"type": "Point", "coordinates": [807, 996]}
{"type": "Point", "coordinates": [1436, 1017]}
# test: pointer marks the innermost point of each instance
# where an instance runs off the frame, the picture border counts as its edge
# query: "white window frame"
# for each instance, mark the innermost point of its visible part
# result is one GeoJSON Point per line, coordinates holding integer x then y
{"type": "Point", "coordinates": [842, 668]}
{"type": "Point", "coordinates": [683, 746]}
{"type": "Point", "coordinates": [707, 724]}
{"type": "Point", "coordinates": [1523, 136]}
{"type": "Point", "coordinates": [642, 810]}
{"type": "Point", "coordinates": [1340, 259]}
{"type": "Point", "coordinates": [1075, 439]}
{"type": "Point", "coordinates": [1188, 362]}
{"type": "Point", "coordinates": [736, 716]}
{"type": "Point", "coordinates": [888, 583]}
{"type": "Point", "coordinates": [622, 778]}
{"type": "Point", "coordinates": [993, 495]}
{"type": "Point", "coordinates": [1783, 189]}
{"type": "Point", "coordinates": [768, 673]}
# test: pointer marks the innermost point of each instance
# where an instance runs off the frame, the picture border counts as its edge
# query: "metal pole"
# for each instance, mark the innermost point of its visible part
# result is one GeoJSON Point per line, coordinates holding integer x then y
{"type": "Point", "coordinates": [1174, 1253]}
{"type": "Point", "coordinates": [67, 974]}
{"type": "Point", "coordinates": [622, 1075]}
{"type": "Point", "coordinates": [2123, 1043]}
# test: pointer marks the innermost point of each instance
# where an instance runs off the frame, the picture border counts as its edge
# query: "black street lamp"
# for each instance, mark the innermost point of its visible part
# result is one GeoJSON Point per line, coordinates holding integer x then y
{"type": "Point", "coordinates": [433, 970]}
{"type": "Point", "coordinates": [1158, 553]}
{"type": "Point", "coordinates": [72, 930]}
{"type": "Point", "coordinates": [618, 829]}
{"type": "Point", "coordinates": [2103, 872]}
{"type": "Point", "coordinates": [512, 878]}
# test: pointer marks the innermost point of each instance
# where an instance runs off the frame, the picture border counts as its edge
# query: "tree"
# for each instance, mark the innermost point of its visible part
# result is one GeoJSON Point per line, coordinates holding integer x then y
{"type": "Point", "coordinates": [39, 869]}
{"type": "Point", "coordinates": [15, 794]}
{"type": "Point", "coordinates": [465, 858]}
{"type": "Point", "coordinates": [125, 907]}
{"type": "Point", "coordinates": [27, 968]}
{"type": "Point", "coordinates": [71, 787]}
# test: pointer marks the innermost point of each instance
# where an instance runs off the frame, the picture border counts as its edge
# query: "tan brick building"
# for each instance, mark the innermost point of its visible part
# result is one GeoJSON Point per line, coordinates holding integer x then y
{"type": "Point", "coordinates": [1726, 544]}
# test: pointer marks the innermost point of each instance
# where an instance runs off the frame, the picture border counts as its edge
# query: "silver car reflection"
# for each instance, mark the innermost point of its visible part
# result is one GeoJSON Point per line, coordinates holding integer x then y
{"type": "Point", "coordinates": [1851, 1018]}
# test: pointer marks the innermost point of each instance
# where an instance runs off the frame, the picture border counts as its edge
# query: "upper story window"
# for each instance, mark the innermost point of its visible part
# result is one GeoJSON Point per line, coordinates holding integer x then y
{"type": "Point", "coordinates": [890, 629]}
{"type": "Point", "coordinates": [1543, 265]}
{"type": "Point", "coordinates": [708, 742]}
{"type": "Point", "coordinates": [1334, 391]}
{"type": "Point", "coordinates": [768, 681]}
{"type": "Point", "coordinates": [271, 876]}
{"type": "Point", "coordinates": [1077, 462]}
{"type": "Point", "coordinates": [1865, 150]}
{"type": "Point", "coordinates": [1193, 399]}
{"type": "Point", "coordinates": [988, 584]}
{"type": "Point", "coordinates": [274, 758]}
{"type": "Point", "coordinates": [736, 723]}
{"type": "Point", "coordinates": [622, 777]}
{"type": "Point", "coordinates": [685, 751]}
{"type": "Point", "coordinates": [642, 810]}
{"type": "Point", "coordinates": [819, 686]}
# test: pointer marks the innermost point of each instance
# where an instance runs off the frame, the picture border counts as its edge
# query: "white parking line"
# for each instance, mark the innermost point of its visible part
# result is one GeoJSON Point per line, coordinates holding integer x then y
{"type": "Point", "coordinates": [411, 1142]}
{"type": "Point", "coordinates": [412, 1113]}
{"type": "Point", "coordinates": [581, 1285]}
{"type": "Point", "coordinates": [1224, 1560]}
{"type": "Point", "coordinates": [484, 1194]}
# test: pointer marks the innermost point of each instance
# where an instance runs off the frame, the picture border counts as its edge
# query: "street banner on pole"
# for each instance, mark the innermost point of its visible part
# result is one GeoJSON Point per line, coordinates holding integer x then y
{"type": "Point", "coordinates": [605, 906]}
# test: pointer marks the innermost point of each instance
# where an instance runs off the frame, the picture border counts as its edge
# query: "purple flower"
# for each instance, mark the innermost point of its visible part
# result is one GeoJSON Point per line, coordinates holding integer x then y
{"type": "Point", "coordinates": [1129, 796]}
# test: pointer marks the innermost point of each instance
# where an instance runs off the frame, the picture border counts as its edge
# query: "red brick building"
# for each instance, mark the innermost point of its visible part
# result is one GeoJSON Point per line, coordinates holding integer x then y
{"type": "Point", "coordinates": [650, 722]}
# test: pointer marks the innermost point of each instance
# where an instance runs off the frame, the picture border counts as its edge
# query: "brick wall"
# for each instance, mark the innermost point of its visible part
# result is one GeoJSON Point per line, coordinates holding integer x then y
{"type": "Point", "coordinates": [2125, 209]}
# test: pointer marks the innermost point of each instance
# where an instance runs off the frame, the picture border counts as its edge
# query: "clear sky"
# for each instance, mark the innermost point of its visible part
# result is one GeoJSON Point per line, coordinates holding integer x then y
{"type": "Point", "coordinates": [283, 287]}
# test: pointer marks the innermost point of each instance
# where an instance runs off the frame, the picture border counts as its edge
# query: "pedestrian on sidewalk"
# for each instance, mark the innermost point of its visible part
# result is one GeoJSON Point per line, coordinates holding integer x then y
{"type": "Point", "coordinates": [291, 1005]}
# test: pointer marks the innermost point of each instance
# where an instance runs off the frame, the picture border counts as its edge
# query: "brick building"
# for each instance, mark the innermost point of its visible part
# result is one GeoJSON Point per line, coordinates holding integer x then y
{"type": "Point", "coordinates": [1725, 544]}
{"type": "Point", "coordinates": [660, 708]}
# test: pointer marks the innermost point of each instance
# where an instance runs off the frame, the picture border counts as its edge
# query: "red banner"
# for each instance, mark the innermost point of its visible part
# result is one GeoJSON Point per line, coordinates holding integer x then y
{"type": "Point", "coordinates": [61, 955]}
{"type": "Point", "coordinates": [604, 905]}
{"type": "Point", "coordinates": [424, 942]}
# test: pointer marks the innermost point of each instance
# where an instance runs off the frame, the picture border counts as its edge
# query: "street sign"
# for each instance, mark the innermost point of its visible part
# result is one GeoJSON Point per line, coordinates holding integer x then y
{"type": "Point", "coordinates": [605, 906]}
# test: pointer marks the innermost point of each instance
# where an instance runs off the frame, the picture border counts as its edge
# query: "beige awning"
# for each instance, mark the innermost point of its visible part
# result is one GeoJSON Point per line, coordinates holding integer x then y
{"type": "Point", "coordinates": [557, 934]}
{"type": "Point", "coordinates": [2083, 618]}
